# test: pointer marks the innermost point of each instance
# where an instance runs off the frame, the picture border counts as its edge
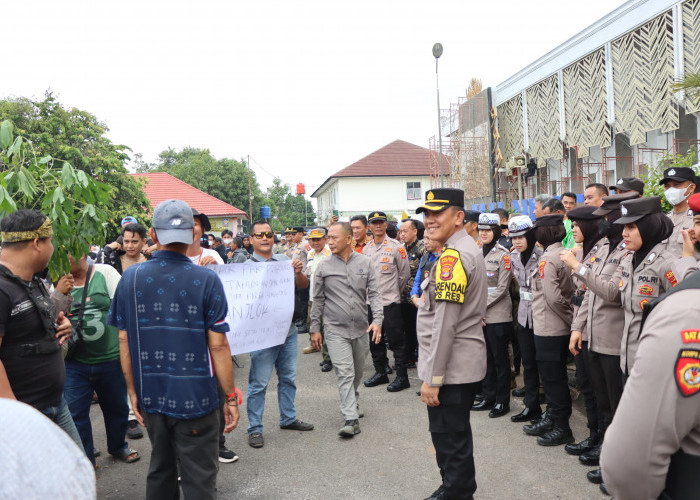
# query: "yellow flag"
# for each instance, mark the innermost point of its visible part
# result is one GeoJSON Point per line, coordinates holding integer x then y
{"type": "Point", "coordinates": [405, 215]}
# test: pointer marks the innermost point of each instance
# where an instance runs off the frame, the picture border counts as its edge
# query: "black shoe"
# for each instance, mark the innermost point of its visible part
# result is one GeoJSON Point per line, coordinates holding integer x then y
{"type": "Point", "coordinates": [133, 431]}
{"type": "Point", "coordinates": [483, 405]}
{"type": "Point", "coordinates": [499, 410]}
{"type": "Point", "coordinates": [399, 384]}
{"type": "Point", "coordinates": [227, 456]}
{"type": "Point", "coordinates": [584, 446]}
{"type": "Point", "coordinates": [556, 437]}
{"type": "Point", "coordinates": [595, 476]}
{"type": "Point", "coordinates": [518, 393]}
{"type": "Point", "coordinates": [326, 366]}
{"type": "Point", "coordinates": [539, 428]}
{"type": "Point", "coordinates": [525, 415]}
{"type": "Point", "coordinates": [603, 489]}
{"type": "Point", "coordinates": [478, 397]}
{"type": "Point", "coordinates": [437, 494]}
{"type": "Point", "coordinates": [591, 458]}
{"type": "Point", "coordinates": [255, 440]}
{"type": "Point", "coordinates": [298, 425]}
{"type": "Point", "coordinates": [376, 379]}
{"type": "Point", "coordinates": [541, 417]}
{"type": "Point", "coordinates": [411, 364]}
{"type": "Point", "coordinates": [388, 370]}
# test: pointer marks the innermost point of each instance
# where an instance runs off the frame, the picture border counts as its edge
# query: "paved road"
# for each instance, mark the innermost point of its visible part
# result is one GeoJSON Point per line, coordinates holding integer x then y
{"type": "Point", "coordinates": [393, 457]}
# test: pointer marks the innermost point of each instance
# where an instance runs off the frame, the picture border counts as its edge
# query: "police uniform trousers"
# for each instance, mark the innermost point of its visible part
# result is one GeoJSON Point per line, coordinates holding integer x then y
{"type": "Point", "coordinates": [409, 314]}
{"type": "Point", "coordinates": [583, 378]}
{"type": "Point", "coordinates": [551, 354]}
{"type": "Point", "coordinates": [606, 378]}
{"type": "Point", "coordinates": [392, 334]}
{"type": "Point", "coordinates": [496, 385]}
{"type": "Point", "coordinates": [451, 433]}
{"type": "Point", "coordinates": [531, 374]}
{"type": "Point", "coordinates": [302, 295]}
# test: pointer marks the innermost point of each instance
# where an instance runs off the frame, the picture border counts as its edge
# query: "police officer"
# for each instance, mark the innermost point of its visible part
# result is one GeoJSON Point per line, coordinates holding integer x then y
{"type": "Point", "coordinates": [652, 448]}
{"type": "Point", "coordinates": [524, 259]}
{"type": "Point", "coordinates": [415, 249]}
{"type": "Point", "coordinates": [389, 258]}
{"type": "Point", "coordinates": [299, 250]}
{"type": "Point", "coordinates": [552, 290]}
{"type": "Point", "coordinates": [679, 183]}
{"type": "Point", "coordinates": [498, 319]}
{"type": "Point", "coordinates": [688, 264]}
{"type": "Point", "coordinates": [452, 358]}
{"type": "Point", "coordinates": [628, 184]}
{"type": "Point", "coordinates": [471, 221]}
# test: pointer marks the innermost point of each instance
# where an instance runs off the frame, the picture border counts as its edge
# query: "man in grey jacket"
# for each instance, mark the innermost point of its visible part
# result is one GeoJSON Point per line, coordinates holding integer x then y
{"type": "Point", "coordinates": [343, 284]}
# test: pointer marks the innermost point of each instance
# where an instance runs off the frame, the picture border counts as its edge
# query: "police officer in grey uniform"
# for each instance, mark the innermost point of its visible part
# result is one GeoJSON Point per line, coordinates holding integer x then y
{"type": "Point", "coordinates": [679, 184]}
{"type": "Point", "coordinates": [524, 259]}
{"type": "Point", "coordinates": [552, 290]}
{"type": "Point", "coordinates": [652, 448]}
{"type": "Point", "coordinates": [390, 260]}
{"type": "Point", "coordinates": [689, 263]}
{"type": "Point", "coordinates": [498, 322]}
{"type": "Point", "coordinates": [452, 358]}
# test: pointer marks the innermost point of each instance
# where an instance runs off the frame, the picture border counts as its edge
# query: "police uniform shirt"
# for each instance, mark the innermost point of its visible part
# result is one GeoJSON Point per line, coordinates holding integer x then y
{"type": "Point", "coordinates": [580, 293]}
{"type": "Point", "coordinates": [681, 221]}
{"type": "Point", "coordinates": [452, 349]}
{"type": "Point", "coordinates": [659, 412]}
{"type": "Point", "coordinates": [524, 274]}
{"type": "Point", "coordinates": [415, 252]}
{"type": "Point", "coordinates": [499, 274]}
{"type": "Point", "coordinates": [391, 262]}
{"type": "Point", "coordinates": [602, 320]}
{"type": "Point", "coordinates": [298, 251]}
{"type": "Point", "coordinates": [313, 260]}
{"type": "Point", "coordinates": [552, 289]}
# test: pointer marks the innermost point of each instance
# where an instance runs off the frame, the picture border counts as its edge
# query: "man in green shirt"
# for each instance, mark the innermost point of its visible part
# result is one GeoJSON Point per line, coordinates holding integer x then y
{"type": "Point", "coordinates": [554, 206]}
{"type": "Point", "coordinates": [95, 366]}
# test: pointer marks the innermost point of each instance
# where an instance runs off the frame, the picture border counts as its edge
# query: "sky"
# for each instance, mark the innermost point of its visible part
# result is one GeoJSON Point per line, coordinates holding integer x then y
{"type": "Point", "coordinates": [304, 87]}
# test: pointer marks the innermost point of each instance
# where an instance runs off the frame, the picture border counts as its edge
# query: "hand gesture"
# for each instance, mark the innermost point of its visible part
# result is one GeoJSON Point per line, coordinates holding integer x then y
{"type": "Point", "coordinates": [376, 332]}
{"type": "Point", "coordinates": [65, 284]}
{"type": "Point", "coordinates": [575, 342]}
{"type": "Point", "coordinates": [568, 258]}
{"type": "Point", "coordinates": [688, 242]}
{"type": "Point", "coordinates": [297, 266]}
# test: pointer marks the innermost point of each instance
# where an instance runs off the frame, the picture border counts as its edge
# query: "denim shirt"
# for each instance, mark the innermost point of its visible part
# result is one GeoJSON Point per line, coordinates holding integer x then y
{"type": "Point", "coordinates": [166, 306]}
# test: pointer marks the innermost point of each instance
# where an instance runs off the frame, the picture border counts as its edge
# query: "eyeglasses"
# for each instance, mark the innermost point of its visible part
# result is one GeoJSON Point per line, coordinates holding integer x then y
{"type": "Point", "coordinates": [266, 234]}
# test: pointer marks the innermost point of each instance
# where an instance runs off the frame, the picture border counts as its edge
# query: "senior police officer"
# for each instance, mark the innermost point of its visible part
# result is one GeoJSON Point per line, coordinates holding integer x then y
{"type": "Point", "coordinates": [319, 250]}
{"type": "Point", "coordinates": [652, 447]}
{"type": "Point", "coordinates": [452, 358]}
{"type": "Point", "coordinates": [343, 284]}
{"type": "Point", "coordinates": [389, 259]}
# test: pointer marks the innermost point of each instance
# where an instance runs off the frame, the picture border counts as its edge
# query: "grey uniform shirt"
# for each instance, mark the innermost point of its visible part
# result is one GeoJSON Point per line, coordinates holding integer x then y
{"type": "Point", "coordinates": [341, 292]}
{"type": "Point", "coordinates": [391, 263]}
{"type": "Point", "coordinates": [602, 319]}
{"type": "Point", "coordinates": [452, 349]}
{"type": "Point", "coordinates": [524, 274]}
{"type": "Point", "coordinates": [682, 220]}
{"type": "Point", "coordinates": [499, 308]}
{"type": "Point", "coordinates": [654, 418]}
{"type": "Point", "coordinates": [580, 291]}
{"type": "Point", "coordinates": [552, 289]}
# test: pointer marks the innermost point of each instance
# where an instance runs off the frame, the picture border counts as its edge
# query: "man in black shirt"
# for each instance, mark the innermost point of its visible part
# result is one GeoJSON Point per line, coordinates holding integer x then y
{"type": "Point", "coordinates": [31, 361]}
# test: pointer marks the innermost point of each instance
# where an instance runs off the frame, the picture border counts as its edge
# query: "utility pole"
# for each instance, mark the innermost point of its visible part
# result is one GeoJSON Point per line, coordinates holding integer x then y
{"type": "Point", "coordinates": [250, 195]}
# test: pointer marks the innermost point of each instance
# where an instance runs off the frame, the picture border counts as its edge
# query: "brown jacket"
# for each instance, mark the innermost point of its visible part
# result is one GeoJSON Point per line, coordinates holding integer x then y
{"type": "Point", "coordinates": [603, 320]}
{"type": "Point", "coordinates": [659, 413]}
{"type": "Point", "coordinates": [499, 274]}
{"type": "Point", "coordinates": [552, 289]}
{"type": "Point", "coordinates": [451, 342]}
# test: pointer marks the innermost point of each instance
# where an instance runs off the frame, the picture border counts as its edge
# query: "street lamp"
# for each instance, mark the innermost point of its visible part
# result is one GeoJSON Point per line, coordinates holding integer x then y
{"type": "Point", "coordinates": [437, 52]}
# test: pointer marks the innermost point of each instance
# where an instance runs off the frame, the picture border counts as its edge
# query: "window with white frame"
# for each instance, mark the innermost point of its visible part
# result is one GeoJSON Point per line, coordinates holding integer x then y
{"type": "Point", "coordinates": [413, 191]}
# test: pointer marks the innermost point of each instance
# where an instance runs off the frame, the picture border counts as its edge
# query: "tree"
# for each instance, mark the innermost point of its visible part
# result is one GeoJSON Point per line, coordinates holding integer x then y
{"type": "Point", "coordinates": [287, 209]}
{"type": "Point", "coordinates": [73, 200]}
{"type": "Point", "coordinates": [78, 137]}
{"type": "Point", "coordinates": [474, 87]}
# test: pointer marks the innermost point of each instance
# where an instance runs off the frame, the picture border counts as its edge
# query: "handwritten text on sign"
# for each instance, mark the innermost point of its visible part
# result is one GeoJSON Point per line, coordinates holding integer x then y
{"type": "Point", "coordinates": [260, 299]}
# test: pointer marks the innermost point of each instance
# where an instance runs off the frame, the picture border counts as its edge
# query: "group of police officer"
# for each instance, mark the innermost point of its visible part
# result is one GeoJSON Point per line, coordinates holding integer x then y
{"type": "Point", "coordinates": [626, 301]}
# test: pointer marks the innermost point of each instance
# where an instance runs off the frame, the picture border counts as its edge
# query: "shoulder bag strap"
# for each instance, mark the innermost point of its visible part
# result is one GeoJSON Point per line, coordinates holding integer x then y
{"type": "Point", "coordinates": [79, 325]}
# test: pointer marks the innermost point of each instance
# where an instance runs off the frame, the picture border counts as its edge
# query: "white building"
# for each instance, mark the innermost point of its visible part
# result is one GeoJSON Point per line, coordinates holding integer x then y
{"type": "Point", "coordinates": [392, 179]}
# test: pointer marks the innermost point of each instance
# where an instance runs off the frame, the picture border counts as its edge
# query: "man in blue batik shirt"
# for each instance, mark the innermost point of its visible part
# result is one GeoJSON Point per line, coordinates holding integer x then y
{"type": "Point", "coordinates": [171, 316]}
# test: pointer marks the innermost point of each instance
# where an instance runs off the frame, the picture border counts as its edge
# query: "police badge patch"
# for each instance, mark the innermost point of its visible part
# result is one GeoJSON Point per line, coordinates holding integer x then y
{"type": "Point", "coordinates": [450, 278]}
{"type": "Point", "coordinates": [687, 372]}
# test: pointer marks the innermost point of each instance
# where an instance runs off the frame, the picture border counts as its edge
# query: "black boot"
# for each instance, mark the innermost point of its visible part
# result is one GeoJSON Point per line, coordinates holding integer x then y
{"type": "Point", "coordinates": [591, 458]}
{"type": "Point", "coordinates": [539, 428]}
{"type": "Point", "coordinates": [377, 379]}
{"type": "Point", "coordinates": [584, 446]}
{"type": "Point", "coordinates": [595, 476]}
{"type": "Point", "coordinates": [400, 382]}
{"type": "Point", "coordinates": [556, 437]}
{"type": "Point", "coordinates": [387, 369]}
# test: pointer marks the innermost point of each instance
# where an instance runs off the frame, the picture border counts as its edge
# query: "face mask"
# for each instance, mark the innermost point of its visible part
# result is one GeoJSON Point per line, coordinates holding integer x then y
{"type": "Point", "coordinates": [228, 241]}
{"type": "Point", "coordinates": [603, 227]}
{"type": "Point", "coordinates": [675, 195]}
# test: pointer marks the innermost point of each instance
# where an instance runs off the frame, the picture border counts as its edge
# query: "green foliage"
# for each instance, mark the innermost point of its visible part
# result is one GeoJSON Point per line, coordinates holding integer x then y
{"type": "Point", "coordinates": [73, 200]}
{"type": "Point", "coordinates": [668, 160]}
{"type": "Point", "coordinates": [78, 137]}
{"type": "Point", "coordinates": [287, 209]}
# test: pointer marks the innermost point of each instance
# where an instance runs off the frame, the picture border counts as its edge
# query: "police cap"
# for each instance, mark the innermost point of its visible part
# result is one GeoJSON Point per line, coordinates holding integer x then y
{"type": "Point", "coordinates": [613, 201]}
{"type": "Point", "coordinates": [486, 220]}
{"type": "Point", "coordinates": [471, 216]}
{"type": "Point", "coordinates": [377, 217]}
{"type": "Point", "coordinates": [678, 174]}
{"type": "Point", "coordinates": [694, 204]}
{"type": "Point", "coordinates": [549, 220]}
{"type": "Point", "coordinates": [439, 199]}
{"type": "Point", "coordinates": [317, 232]}
{"type": "Point", "coordinates": [633, 210]}
{"type": "Point", "coordinates": [625, 184]}
{"type": "Point", "coordinates": [586, 212]}
{"type": "Point", "coordinates": [519, 225]}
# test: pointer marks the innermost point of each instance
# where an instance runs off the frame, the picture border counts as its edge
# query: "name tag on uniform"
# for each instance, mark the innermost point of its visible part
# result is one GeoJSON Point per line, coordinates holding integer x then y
{"type": "Point", "coordinates": [525, 295]}
{"type": "Point", "coordinates": [492, 289]}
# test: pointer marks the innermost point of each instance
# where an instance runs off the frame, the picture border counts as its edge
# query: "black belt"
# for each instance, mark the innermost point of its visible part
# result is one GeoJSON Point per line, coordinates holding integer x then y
{"type": "Point", "coordinates": [577, 300]}
{"type": "Point", "coordinates": [682, 480]}
{"type": "Point", "coordinates": [30, 349]}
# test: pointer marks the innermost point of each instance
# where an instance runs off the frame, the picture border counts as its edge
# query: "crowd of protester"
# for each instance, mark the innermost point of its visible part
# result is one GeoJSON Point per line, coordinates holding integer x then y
{"type": "Point", "coordinates": [571, 286]}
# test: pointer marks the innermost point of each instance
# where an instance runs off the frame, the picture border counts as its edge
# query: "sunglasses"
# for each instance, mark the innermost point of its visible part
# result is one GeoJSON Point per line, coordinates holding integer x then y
{"type": "Point", "coordinates": [266, 234]}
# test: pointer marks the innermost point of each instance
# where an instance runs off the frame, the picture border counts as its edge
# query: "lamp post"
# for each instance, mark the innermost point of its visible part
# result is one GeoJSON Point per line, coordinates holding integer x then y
{"type": "Point", "coordinates": [437, 52]}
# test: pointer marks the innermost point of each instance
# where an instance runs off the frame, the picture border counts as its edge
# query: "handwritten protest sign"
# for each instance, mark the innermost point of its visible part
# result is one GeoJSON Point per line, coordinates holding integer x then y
{"type": "Point", "coordinates": [260, 299]}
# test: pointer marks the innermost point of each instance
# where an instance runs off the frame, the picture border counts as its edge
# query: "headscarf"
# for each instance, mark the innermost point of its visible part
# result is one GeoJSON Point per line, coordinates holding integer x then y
{"type": "Point", "coordinates": [653, 229]}
{"type": "Point", "coordinates": [531, 242]}
{"type": "Point", "coordinates": [496, 230]}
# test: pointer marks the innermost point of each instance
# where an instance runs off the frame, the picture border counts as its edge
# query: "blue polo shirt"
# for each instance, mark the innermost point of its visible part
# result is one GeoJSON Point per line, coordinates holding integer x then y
{"type": "Point", "coordinates": [166, 305]}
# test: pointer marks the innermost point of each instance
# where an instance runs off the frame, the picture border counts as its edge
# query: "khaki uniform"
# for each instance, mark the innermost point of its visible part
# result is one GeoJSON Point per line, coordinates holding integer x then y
{"type": "Point", "coordinates": [636, 288]}
{"type": "Point", "coordinates": [391, 261]}
{"type": "Point", "coordinates": [552, 289]}
{"type": "Point", "coordinates": [499, 274]}
{"type": "Point", "coordinates": [298, 251]}
{"type": "Point", "coordinates": [580, 293]}
{"type": "Point", "coordinates": [684, 267]}
{"type": "Point", "coordinates": [602, 320]}
{"type": "Point", "coordinates": [657, 424]}
{"type": "Point", "coordinates": [524, 274]}
{"type": "Point", "coordinates": [681, 221]}
{"type": "Point", "coordinates": [450, 337]}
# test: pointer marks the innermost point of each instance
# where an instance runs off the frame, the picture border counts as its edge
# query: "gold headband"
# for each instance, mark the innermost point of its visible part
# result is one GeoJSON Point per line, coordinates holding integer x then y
{"type": "Point", "coordinates": [43, 231]}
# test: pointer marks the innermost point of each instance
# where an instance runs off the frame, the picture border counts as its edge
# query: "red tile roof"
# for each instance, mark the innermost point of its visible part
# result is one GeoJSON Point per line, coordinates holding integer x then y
{"type": "Point", "coordinates": [398, 158]}
{"type": "Point", "coordinates": [161, 186]}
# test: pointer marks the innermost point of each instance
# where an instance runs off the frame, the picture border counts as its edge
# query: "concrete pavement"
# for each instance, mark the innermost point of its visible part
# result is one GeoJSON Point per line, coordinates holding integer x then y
{"type": "Point", "coordinates": [391, 458]}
